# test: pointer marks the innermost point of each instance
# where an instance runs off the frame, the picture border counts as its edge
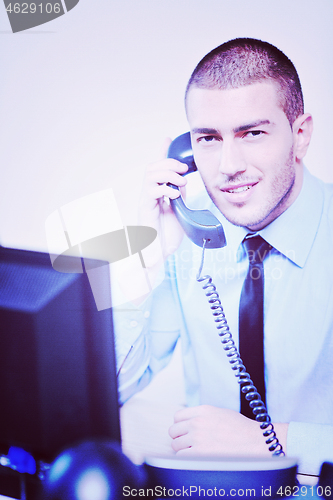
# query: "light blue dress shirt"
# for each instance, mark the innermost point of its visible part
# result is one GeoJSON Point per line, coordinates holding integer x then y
{"type": "Point", "coordinates": [298, 317]}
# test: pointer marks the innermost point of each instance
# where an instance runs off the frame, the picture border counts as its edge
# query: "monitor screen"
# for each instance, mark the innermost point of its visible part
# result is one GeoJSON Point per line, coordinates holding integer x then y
{"type": "Point", "coordinates": [58, 380]}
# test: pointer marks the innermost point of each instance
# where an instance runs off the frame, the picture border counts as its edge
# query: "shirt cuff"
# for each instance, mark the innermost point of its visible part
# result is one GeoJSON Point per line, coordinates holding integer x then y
{"type": "Point", "coordinates": [129, 325]}
{"type": "Point", "coordinates": [311, 444]}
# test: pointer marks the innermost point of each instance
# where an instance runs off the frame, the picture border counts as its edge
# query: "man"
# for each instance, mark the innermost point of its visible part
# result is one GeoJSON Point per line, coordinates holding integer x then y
{"type": "Point", "coordinates": [249, 136]}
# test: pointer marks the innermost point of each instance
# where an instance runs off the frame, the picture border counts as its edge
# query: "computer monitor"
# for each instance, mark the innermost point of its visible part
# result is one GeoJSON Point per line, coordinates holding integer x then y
{"type": "Point", "coordinates": [58, 380]}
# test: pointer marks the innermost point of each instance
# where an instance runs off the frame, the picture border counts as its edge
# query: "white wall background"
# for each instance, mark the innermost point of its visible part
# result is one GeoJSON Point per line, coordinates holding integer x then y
{"type": "Point", "coordinates": [87, 99]}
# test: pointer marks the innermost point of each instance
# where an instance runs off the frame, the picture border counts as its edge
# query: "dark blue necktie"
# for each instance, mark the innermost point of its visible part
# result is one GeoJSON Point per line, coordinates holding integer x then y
{"type": "Point", "coordinates": [251, 318]}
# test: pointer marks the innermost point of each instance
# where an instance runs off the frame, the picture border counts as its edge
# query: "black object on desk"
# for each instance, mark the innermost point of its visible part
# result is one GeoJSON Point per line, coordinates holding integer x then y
{"type": "Point", "coordinates": [222, 476]}
{"type": "Point", "coordinates": [57, 361]}
{"type": "Point", "coordinates": [326, 480]}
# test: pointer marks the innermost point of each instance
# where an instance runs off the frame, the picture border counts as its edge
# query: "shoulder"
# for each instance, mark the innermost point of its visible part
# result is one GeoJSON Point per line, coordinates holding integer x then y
{"type": "Point", "coordinates": [328, 200]}
{"type": "Point", "coordinates": [325, 228]}
{"type": "Point", "coordinates": [319, 193]}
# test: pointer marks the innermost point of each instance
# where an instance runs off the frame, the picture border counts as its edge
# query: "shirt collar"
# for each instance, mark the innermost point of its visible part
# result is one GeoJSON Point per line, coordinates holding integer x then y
{"type": "Point", "coordinates": [293, 232]}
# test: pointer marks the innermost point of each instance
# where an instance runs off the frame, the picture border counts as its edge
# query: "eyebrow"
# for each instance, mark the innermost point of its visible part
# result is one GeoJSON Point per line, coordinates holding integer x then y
{"type": "Point", "coordinates": [241, 128]}
{"type": "Point", "coordinates": [205, 131]}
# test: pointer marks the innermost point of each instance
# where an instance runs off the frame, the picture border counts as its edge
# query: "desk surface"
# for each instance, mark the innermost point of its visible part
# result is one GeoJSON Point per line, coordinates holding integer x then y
{"type": "Point", "coordinates": [146, 418]}
{"type": "Point", "coordinates": [145, 424]}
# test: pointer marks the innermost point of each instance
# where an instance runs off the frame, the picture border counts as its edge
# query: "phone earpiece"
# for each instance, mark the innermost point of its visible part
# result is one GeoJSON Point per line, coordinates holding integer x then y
{"type": "Point", "coordinates": [181, 149]}
{"type": "Point", "coordinates": [199, 225]}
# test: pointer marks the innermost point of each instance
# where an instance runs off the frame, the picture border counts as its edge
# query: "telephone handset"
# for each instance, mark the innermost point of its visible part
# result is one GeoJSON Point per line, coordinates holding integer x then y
{"type": "Point", "coordinates": [199, 225]}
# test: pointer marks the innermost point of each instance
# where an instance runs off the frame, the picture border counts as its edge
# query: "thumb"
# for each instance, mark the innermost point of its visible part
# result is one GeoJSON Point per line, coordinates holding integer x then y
{"type": "Point", "coordinates": [183, 192]}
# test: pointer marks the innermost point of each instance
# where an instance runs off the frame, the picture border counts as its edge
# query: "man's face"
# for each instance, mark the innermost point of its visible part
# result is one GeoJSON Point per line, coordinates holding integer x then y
{"type": "Point", "coordinates": [243, 147]}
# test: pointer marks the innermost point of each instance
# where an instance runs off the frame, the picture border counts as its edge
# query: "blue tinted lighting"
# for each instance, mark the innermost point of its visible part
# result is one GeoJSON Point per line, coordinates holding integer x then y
{"type": "Point", "coordinates": [93, 484]}
{"type": "Point", "coordinates": [60, 467]}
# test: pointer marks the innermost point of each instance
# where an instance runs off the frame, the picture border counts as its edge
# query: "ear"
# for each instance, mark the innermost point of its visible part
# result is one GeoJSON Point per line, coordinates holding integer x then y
{"type": "Point", "coordinates": [302, 131]}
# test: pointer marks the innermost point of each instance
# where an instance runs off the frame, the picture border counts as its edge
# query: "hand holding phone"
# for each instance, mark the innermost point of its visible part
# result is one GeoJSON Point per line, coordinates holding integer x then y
{"type": "Point", "coordinates": [199, 225]}
{"type": "Point", "coordinates": [154, 210]}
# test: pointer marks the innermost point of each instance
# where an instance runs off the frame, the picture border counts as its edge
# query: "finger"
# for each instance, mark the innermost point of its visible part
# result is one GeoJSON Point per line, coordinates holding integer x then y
{"type": "Point", "coordinates": [179, 429]}
{"type": "Point", "coordinates": [187, 413]}
{"type": "Point", "coordinates": [164, 176]}
{"type": "Point", "coordinates": [181, 443]}
{"type": "Point", "coordinates": [187, 452]}
{"type": "Point", "coordinates": [158, 192]}
{"type": "Point", "coordinates": [167, 164]}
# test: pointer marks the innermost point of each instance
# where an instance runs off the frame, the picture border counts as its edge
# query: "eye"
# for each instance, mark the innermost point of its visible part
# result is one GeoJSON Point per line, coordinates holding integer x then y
{"type": "Point", "coordinates": [207, 139]}
{"type": "Point", "coordinates": [253, 133]}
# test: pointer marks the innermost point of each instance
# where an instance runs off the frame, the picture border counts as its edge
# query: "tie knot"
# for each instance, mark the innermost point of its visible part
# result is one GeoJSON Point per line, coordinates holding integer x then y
{"type": "Point", "coordinates": [256, 248]}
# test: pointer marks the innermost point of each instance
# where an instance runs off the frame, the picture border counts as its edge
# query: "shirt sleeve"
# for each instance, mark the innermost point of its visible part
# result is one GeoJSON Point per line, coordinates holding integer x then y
{"type": "Point", "coordinates": [146, 337]}
{"type": "Point", "coordinates": [311, 444]}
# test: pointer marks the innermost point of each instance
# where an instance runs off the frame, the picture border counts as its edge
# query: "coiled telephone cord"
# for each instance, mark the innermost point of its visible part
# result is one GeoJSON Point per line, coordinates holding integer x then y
{"type": "Point", "coordinates": [247, 387]}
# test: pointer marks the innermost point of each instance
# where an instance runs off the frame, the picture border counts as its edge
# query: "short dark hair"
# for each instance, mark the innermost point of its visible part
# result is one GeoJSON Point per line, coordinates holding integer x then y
{"type": "Point", "coordinates": [244, 61]}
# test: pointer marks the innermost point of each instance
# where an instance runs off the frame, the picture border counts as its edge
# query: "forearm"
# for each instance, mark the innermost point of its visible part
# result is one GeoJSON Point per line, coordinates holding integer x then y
{"type": "Point", "coordinates": [146, 336]}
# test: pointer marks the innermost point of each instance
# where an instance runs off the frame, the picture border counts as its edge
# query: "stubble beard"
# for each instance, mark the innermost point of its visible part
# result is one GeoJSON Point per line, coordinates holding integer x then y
{"type": "Point", "coordinates": [281, 189]}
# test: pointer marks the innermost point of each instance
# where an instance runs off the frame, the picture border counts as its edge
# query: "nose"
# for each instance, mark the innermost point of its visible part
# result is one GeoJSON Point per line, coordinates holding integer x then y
{"type": "Point", "coordinates": [231, 159]}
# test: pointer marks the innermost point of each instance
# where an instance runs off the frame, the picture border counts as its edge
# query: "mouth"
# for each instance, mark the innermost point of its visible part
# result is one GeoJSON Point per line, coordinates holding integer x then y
{"type": "Point", "coordinates": [239, 194]}
{"type": "Point", "coordinates": [240, 188]}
